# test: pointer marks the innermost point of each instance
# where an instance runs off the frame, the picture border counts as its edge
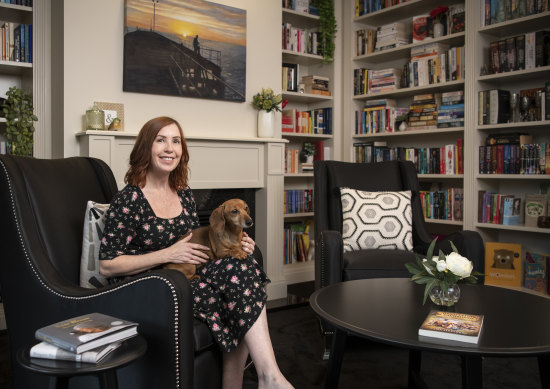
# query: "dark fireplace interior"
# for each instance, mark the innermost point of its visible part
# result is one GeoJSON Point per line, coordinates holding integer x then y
{"type": "Point", "coordinates": [209, 199]}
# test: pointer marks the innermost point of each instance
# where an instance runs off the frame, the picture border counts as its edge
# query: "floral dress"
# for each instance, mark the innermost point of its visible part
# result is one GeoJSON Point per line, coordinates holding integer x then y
{"type": "Point", "coordinates": [230, 294]}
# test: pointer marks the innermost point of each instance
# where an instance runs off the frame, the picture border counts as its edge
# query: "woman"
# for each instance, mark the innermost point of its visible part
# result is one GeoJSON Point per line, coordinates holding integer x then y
{"type": "Point", "coordinates": [144, 223]}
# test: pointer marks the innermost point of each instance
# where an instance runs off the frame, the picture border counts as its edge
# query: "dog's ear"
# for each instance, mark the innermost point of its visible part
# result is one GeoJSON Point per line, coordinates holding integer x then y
{"type": "Point", "coordinates": [217, 220]}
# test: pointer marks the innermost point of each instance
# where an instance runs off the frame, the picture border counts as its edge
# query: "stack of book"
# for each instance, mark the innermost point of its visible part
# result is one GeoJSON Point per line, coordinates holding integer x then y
{"type": "Point", "coordinates": [423, 112]}
{"type": "Point", "coordinates": [317, 85]}
{"type": "Point", "coordinates": [451, 111]}
{"type": "Point", "coordinates": [428, 64]}
{"type": "Point", "coordinates": [87, 338]}
{"type": "Point", "coordinates": [383, 80]}
{"type": "Point", "coordinates": [391, 35]}
{"type": "Point", "coordinates": [443, 204]}
{"type": "Point", "coordinates": [377, 116]}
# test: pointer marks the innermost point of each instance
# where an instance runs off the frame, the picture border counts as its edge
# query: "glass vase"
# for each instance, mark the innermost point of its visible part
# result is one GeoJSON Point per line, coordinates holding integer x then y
{"type": "Point", "coordinates": [445, 297]}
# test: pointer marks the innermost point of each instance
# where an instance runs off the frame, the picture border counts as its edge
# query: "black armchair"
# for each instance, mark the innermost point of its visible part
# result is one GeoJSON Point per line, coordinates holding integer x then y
{"type": "Point", "coordinates": [42, 213]}
{"type": "Point", "coordinates": [332, 264]}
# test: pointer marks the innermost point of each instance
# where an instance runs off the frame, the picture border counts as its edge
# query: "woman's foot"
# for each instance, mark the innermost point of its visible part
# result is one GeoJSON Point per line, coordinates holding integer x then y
{"type": "Point", "coordinates": [274, 382]}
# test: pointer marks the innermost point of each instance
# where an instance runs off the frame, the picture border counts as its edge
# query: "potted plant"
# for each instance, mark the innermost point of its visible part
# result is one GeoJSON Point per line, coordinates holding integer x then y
{"type": "Point", "coordinates": [307, 152]}
{"type": "Point", "coordinates": [327, 28]}
{"type": "Point", "coordinates": [267, 102]}
{"type": "Point", "coordinates": [401, 120]}
{"type": "Point", "coordinates": [19, 112]}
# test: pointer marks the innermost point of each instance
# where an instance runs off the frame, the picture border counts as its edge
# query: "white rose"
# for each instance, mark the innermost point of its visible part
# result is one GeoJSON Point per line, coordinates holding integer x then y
{"type": "Point", "coordinates": [441, 265]}
{"type": "Point", "coordinates": [459, 265]}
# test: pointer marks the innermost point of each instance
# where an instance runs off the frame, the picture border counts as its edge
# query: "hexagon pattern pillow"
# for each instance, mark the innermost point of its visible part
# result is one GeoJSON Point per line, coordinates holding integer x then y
{"type": "Point", "coordinates": [376, 220]}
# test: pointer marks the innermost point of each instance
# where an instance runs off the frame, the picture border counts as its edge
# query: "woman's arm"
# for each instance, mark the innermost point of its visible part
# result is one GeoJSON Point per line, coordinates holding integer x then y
{"type": "Point", "coordinates": [180, 252]}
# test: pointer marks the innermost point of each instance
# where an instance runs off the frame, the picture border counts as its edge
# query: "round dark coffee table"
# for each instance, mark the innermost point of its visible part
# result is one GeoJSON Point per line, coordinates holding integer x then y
{"type": "Point", "coordinates": [390, 310]}
{"type": "Point", "coordinates": [61, 371]}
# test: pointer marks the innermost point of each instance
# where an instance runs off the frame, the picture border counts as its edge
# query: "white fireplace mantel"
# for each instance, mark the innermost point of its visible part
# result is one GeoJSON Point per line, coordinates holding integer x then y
{"type": "Point", "coordinates": [220, 163]}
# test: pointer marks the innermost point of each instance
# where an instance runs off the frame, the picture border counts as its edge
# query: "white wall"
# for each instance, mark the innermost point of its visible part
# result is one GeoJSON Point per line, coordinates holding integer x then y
{"type": "Point", "coordinates": [93, 59]}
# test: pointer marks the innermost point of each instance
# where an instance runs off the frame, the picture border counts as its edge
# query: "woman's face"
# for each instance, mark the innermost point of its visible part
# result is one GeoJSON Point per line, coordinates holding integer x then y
{"type": "Point", "coordinates": [166, 150]}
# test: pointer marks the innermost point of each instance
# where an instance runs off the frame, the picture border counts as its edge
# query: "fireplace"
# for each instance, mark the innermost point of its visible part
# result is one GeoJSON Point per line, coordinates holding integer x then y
{"type": "Point", "coordinates": [208, 199]}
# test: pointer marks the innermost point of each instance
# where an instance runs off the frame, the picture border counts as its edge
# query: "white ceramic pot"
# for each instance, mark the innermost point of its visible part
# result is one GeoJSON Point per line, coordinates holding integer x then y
{"type": "Point", "coordinates": [266, 124]}
{"type": "Point", "coordinates": [438, 30]}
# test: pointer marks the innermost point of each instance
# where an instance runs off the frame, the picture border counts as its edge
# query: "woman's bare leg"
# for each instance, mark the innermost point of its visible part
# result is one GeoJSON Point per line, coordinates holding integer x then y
{"type": "Point", "coordinates": [261, 351]}
{"type": "Point", "coordinates": [233, 367]}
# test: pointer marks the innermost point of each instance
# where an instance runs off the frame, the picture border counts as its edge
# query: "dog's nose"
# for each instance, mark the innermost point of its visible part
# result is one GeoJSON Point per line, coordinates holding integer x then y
{"type": "Point", "coordinates": [249, 223]}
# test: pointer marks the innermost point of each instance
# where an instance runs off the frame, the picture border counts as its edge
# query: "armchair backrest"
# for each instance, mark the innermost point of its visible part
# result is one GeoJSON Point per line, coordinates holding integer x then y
{"type": "Point", "coordinates": [330, 176]}
{"type": "Point", "coordinates": [43, 206]}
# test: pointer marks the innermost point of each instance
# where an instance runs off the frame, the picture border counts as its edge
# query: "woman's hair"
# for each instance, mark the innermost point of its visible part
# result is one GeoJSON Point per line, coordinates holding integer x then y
{"type": "Point", "coordinates": [140, 157]}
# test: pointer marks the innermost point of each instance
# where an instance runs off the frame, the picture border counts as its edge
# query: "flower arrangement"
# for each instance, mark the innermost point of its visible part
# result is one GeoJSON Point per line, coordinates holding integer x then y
{"type": "Point", "coordinates": [438, 12]}
{"type": "Point", "coordinates": [442, 271]}
{"type": "Point", "coordinates": [267, 100]}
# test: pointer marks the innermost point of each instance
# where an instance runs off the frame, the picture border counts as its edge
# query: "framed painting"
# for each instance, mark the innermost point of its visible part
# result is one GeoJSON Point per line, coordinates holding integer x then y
{"type": "Point", "coordinates": [189, 48]}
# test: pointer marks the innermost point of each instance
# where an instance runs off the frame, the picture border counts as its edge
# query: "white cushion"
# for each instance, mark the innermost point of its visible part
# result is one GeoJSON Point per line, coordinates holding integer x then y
{"type": "Point", "coordinates": [94, 222]}
{"type": "Point", "coordinates": [376, 220]}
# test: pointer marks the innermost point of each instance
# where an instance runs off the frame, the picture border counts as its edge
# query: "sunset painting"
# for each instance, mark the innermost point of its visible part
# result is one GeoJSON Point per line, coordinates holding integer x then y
{"type": "Point", "coordinates": [188, 48]}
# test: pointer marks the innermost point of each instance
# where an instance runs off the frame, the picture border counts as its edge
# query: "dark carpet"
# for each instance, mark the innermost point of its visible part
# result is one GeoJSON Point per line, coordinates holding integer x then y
{"type": "Point", "coordinates": [298, 346]}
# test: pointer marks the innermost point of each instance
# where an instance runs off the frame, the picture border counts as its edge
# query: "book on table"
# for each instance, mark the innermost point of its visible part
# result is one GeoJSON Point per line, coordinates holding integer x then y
{"type": "Point", "coordinates": [452, 326]}
{"type": "Point", "coordinates": [46, 350]}
{"type": "Point", "coordinates": [86, 332]}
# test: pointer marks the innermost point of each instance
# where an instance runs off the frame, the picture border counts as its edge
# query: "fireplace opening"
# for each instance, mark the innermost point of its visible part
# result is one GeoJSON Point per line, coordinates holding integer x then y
{"type": "Point", "coordinates": [209, 199]}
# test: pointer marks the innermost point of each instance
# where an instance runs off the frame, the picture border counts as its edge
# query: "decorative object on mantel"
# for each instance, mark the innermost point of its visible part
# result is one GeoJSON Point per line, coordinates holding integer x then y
{"type": "Point", "coordinates": [19, 113]}
{"type": "Point", "coordinates": [95, 118]}
{"type": "Point", "coordinates": [112, 111]}
{"type": "Point", "coordinates": [267, 102]}
{"type": "Point", "coordinates": [180, 54]}
{"type": "Point", "coordinates": [442, 274]}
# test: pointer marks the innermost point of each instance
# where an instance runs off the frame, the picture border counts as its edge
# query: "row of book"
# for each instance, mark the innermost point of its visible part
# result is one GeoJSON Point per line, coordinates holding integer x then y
{"type": "Point", "coordinates": [507, 209]}
{"type": "Point", "coordinates": [292, 157]}
{"type": "Point", "coordinates": [446, 159]}
{"type": "Point", "coordinates": [508, 264]}
{"type": "Point", "coordinates": [378, 116]}
{"type": "Point", "coordinates": [434, 63]}
{"type": "Point", "coordinates": [298, 245]}
{"type": "Point", "coordinates": [300, 40]}
{"type": "Point", "coordinates": [315, 121]}
{"type": "Point", "coordinates": [443, 204]}
{"type": "Point", "coordinates": [87, 338]}
{"type": "Point", "coordinates": [451, 111]}
{"type": "Point", "coordinates": [298, 201]}
{"type": "Point", "coordinates": [367, 81]}
{"type": "Point", "coordinates": [300, 6]}
{"type": "Point", "coordinates": [16, 42]}
{"type": "Point", "coordinates": [532, 158]}
{"type": "Point", "coordinates": [498, 11]}
{"type": "Point", "coordinates": [391, 35]}
{"type": "Point", "coordinates": [363, 7]}
{"type": "Point", "coordinates": [526, 51]}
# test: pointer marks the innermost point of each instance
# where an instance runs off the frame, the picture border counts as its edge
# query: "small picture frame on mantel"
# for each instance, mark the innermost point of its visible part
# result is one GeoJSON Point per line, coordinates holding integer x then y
{"type": "Point", "coordinates": [112, 111]}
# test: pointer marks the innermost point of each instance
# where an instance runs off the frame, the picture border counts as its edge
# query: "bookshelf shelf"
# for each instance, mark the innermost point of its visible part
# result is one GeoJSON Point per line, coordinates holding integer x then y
{"type": "Point", "coordinates": [517, 75]}
{"type": "Point", "coordinates": [301, 58]}
{"type": "Point", "coordinates": [310, 136]}
{"type": "Point", "coordinates": [399, 11]}
{"type": "Point", "coordinates": [518, 228]}
{"type": "Point", "coordinates": [411, 91]}
{"type": "Point", "coordinates": [404, 51]}
{"type": "Point", "coordinates": [410, 133]}
{"type": "Point", "coordinates": [443, 221]}
{"type": "Point", "coordinates": [440, 176]}
{"type": "Point", "coordinates": [538, 125]}
{"type": "Point", "coordinates": [298, 215]}
{"type": "Point", "coordinates": [517, 26]}
{"type": "Point", "coordinates": [16, 13]}
{"type": "Point", "coordinates": [305, 97]}
{"type": "Point", "coordinates": [298, 175]}
{"type": "Point", "coordinates": [528, 177]}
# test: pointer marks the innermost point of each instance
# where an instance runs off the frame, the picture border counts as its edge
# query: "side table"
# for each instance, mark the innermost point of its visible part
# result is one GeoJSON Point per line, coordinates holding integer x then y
{"type": "Point", "coordinates": [61, 371]}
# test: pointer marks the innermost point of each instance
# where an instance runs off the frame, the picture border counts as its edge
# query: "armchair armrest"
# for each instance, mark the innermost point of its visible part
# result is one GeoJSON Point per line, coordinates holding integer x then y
{"type": "Point", "coordinates": [328, 259]}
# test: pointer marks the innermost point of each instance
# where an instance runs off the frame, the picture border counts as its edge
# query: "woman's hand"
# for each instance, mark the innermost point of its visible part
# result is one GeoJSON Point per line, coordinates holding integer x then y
{"type": "Point", "coordinates": [248, 244]}
{"type": "Point", "coordinates": [185, 252]}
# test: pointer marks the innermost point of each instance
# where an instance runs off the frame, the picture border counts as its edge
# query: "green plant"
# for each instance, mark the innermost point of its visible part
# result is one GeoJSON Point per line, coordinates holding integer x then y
{"type": "Point", "coordinates": [308, 148]}
{"type": "Point", "coordinates": [267, 100]}
{"type": "Point", "coordinates": [18, 110]}
{"type": "Point", "coordinates": [327, 28]}
{"type": "Point", "coordinates": [443, 270]}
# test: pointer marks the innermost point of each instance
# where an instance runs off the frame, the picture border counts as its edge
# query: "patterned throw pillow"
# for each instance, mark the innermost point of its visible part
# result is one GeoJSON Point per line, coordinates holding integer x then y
{"type": "Point", "coordinates": [94, 221]}
{"type": "Point", "coordinates": [376, 220]}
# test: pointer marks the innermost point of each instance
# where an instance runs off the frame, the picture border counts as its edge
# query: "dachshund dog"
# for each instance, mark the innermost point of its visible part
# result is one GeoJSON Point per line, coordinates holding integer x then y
{"type": "Point", "coordinates": [223, 236]}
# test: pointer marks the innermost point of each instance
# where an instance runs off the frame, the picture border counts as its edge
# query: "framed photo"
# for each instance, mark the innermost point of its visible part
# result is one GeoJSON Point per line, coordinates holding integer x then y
{"type": "Point", "coordinates": [190, 48]}
{"type": "Point", "coordinates": [112, 111]}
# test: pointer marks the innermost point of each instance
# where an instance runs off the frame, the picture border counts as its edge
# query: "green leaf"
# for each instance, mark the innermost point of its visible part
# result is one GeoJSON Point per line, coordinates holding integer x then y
{"type": "Point", "coordinates": [430, 252]}
{"type": "Point", "coordinates": [454, 247]}
{"type": "Point", "coordinates": [428, 288]}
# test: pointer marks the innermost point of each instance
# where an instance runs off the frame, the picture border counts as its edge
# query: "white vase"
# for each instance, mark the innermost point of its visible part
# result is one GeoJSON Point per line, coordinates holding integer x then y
{"type": "Point", "coordinates": [438, 30]}
{"type": "Point", "coordinates": [266, 124]}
